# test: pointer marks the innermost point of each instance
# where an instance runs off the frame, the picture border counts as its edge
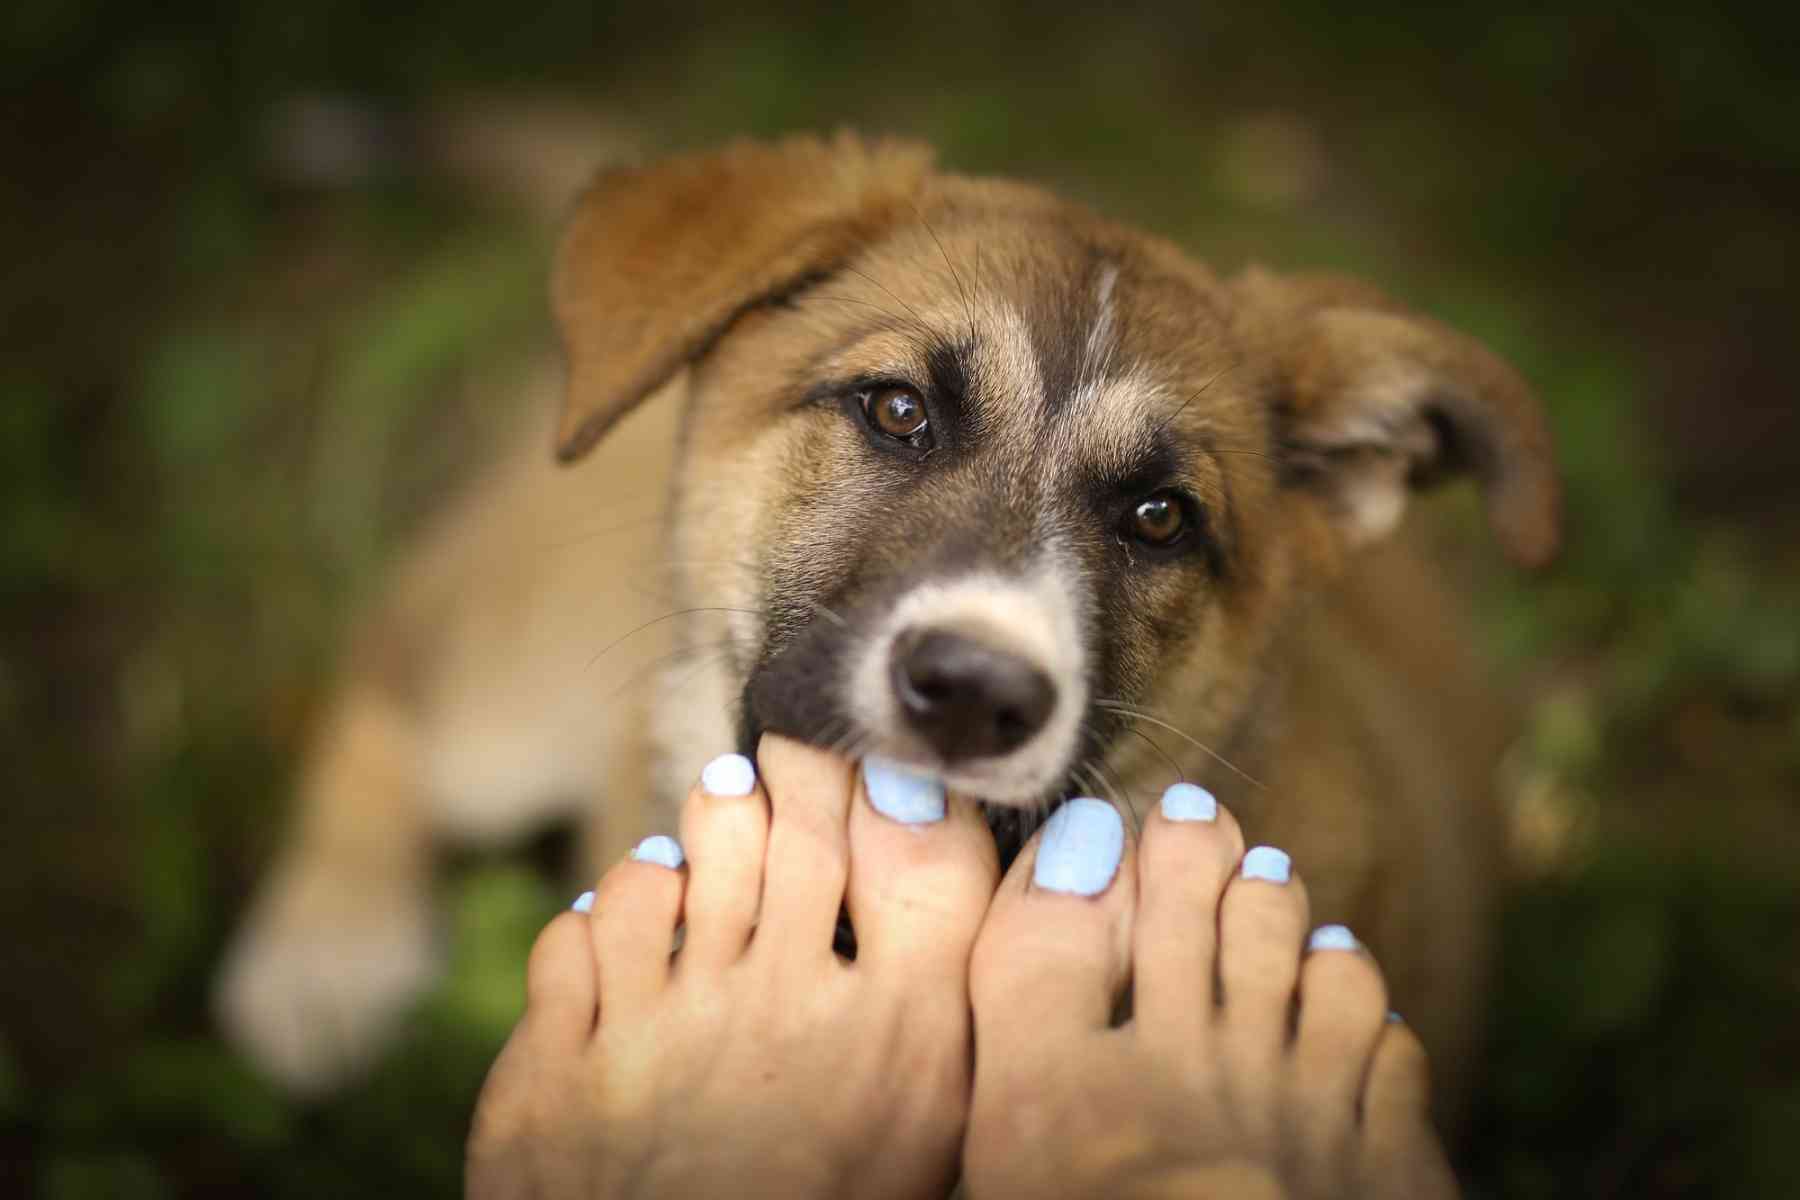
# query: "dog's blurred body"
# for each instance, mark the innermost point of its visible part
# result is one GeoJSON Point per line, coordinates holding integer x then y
{"type": "Point", "coordinates": [891, 463]}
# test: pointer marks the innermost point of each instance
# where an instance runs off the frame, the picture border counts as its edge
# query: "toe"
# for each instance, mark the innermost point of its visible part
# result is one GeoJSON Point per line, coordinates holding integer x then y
{"type": "Point", "coordinates": [1190, 848]}
{"type": "Point", "coordinates": [1052, 956]}
{"type": "Point", "coordinates": [725, 833]}
{"type": "Point", "coordinates": [1397, 1089]}
{"type": "Point", "coordinates": [1342, 1008]}
{"type": "Point", "coordinates": [1262, 922]}
{"type": "Point", "coordinates": [808, 860]}
{"type": "Point", "coordinates": [922, 870]}
{"type": "Point", "coordinates": [561, 999]}
{"type": "Point", "coordinates": [561, 991]}
{"type": "Point", "coordinates": [636, 908]}
{"type": "Point", "coordinates": [1399, 1145]}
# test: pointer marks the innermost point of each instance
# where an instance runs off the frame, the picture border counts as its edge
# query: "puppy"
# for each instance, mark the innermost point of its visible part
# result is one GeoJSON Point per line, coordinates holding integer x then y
{"type": "Point", "coordinates": [949, 471]}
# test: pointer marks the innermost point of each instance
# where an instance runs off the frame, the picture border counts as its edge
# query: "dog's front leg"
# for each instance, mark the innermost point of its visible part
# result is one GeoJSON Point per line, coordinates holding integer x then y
{"type": "Point", "coordinates": [340, 939]}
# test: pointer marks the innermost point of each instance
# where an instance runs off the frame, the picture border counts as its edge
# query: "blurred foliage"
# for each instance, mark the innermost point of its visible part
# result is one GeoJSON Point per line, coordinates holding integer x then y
{"type": "Point", "coordinates": [234, 379]}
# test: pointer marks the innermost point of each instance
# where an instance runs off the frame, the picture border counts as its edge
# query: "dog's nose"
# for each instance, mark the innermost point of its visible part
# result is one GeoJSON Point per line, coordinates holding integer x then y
{"type": "Point", "coordinates": [968, 700]}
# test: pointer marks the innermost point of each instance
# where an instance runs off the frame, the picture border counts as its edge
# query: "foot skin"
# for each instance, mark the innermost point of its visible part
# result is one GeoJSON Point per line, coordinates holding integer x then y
{"type": "Point", "coordinates": [756, 1061]}
{"type": "Point", "coordinates": [1258, 1062]}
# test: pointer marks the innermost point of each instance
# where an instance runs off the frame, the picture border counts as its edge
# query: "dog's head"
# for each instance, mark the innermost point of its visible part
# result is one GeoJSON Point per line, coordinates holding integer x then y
{"type": "Point", "coordinates": [987, 479]}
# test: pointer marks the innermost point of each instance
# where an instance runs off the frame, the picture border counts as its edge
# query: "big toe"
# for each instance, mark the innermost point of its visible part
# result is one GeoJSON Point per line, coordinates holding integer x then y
{"type": "Point", "coordinates": [922, 870]}
{"type": "Point", "coordinates": [1052, 957]}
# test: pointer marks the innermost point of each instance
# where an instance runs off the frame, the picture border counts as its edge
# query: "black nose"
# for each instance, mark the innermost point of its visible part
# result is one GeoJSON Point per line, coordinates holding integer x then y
{"type": "Point", "coordinates": [968, 700]}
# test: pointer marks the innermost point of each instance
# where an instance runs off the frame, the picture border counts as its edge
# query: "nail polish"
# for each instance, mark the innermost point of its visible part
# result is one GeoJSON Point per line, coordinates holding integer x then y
{"type": "Point", "coordinates": [729, 775]}
{"type": "Point", "coordinates": [1081, 847]}
{"type": "Point", "coordinates": [1267, 863]}
{"type": "Point", "coordinates": [660, 849]}
{"type": "Point", "coordinates": [901, 794]}
{"type": "Point", "coordinates": [584, 903]}
{"type": "Point", "coordinates": [1332, 937]}
{"type": "Point", "coordinates": [1189, 802]}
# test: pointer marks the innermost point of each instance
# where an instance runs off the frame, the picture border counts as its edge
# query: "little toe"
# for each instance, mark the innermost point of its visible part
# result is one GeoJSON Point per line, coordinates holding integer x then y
{"type": "Point", "coordinates": [561, 1001]}
{"type": "Point", "coordinates": [922, 869]}
{"type": "Point", "coordinates": [1262, 922]}
{"type": "Point", "coordinates": [1342, 1009]}
{"type": "Point", "coordinates": [1190, 848]}
{"type": "Point", "coordinates": [1052, 956]}
{"type": "Point", "coordinates": [1400, 1150]}
{"type": "Point", "coordinates": [725, 834]}
{"type": "Point", "coordinates": [1396, 1092]}
{"type": "Point", "coordinates": [808, 860]}
{"type": "Point", "coordinates": [636, 908]}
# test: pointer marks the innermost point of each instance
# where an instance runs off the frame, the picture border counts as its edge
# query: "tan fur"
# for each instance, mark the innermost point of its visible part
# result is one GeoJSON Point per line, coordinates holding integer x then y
{"type": "Point", "coordinates": [1316, 680]}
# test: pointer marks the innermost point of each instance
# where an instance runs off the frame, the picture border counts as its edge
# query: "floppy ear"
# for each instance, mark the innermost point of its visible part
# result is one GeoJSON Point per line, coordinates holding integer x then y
{"type": "Point", "coordinates": [660, 260]}
{"type": "Point", "coordinates": [1374, 401]}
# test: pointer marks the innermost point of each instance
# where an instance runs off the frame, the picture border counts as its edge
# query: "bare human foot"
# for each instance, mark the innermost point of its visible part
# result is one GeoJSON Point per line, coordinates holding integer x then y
{"type": "Point", "coordinates": [1257, 1062]}
{"type": "Point", "coordinates": [756, 1062]}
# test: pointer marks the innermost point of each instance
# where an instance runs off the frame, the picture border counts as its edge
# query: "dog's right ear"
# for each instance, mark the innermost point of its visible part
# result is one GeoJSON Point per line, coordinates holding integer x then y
{"type": "Point", "coordinates": [660, 260]}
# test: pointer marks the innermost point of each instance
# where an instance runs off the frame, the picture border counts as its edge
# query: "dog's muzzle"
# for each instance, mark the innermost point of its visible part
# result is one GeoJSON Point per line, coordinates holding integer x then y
{"type": "Point", "coordinates": [964, 698]}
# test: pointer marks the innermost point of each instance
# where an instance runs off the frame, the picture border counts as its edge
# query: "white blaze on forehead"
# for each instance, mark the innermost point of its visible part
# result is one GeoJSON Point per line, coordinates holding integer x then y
{"type": "Point", "coordinates": [1108, 419]}
{"type": "Point", "coordinates": [1100, 341]}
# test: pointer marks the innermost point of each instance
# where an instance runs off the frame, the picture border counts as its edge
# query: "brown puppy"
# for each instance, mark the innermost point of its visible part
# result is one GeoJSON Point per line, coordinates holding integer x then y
{"type": "Point", "coordinates": [948, 471]}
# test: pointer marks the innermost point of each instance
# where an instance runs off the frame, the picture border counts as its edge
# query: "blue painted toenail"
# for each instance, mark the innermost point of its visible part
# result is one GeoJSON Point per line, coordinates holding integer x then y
{"type": "Point", "coordinates": [901, 794]}
{"type": "Point", "coordinates": [660, 849]}
{"type": "Point", "coordinates": [1332, 937]}
{"type": "Point", "coordinates": [1268, 863]}
{"type": "Point", "coordinates": [584, 902]}
{"type": "Point", "coordinates": [1189, 802]}
{"type": "Point", "coordinates": [1083, 841]}
{"type": "Point", "coordinates": [729, 775]}
{"type": "Point", "coordinates": [1395, 1018]}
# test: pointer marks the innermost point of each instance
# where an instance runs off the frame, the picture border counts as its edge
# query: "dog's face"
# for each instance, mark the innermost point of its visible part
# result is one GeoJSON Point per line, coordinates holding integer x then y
{"type": "Point", "coordinates": [984, 481]}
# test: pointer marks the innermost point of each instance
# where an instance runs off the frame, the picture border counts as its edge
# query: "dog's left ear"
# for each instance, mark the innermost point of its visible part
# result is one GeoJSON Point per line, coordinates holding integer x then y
{"type": "Point", "coordinates": [1373, 401]}
{"type": "Point", "coordinates": [660, 260]}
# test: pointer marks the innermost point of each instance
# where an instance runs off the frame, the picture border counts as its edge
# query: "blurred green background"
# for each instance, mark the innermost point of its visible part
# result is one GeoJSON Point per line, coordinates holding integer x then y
{"type": "Point", "coordinates": [272, 269]}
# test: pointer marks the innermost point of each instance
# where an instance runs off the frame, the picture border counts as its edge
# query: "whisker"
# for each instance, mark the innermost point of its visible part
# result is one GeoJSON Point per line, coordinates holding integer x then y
{"type": "Point", "coordinates": [1126, 710]}
{"type": "Point", "coordinates": [669, 616]}
{"type": "Point", "coordinates": [825, 612]}
{"type": "Point", "coordinates": [1121, 798]}
{"type": "Point", "coordinates": [591, 535]}
{"type": "Point", "coordinates": [701, 652]}
{"type": "Point", "coordinates": [1217, 375]}
{"type": "Point", "coordinates": [968, 308]}
{"type": "Point", "coordinates": [1180, 777]}
{"type": "Point", "coordinates": [880, 308]}
{"type": "Point", "coordinates": [884, 287]}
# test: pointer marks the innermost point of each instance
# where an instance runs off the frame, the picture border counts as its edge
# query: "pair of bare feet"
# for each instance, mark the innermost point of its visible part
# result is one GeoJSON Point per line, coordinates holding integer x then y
{"type": "Point", "coordinates": [973, 1032]}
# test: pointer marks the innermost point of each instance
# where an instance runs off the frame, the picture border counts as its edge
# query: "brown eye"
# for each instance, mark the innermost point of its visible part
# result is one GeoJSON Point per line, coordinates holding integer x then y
{"type": "Point", "coordinates": [1158, 520]}
{"type": "Point", "coordinates": [897, 412]}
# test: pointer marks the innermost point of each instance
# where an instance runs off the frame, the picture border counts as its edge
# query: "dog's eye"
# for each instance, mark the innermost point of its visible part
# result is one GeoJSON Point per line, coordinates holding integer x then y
{"type": "Point", "coordinates": [1158, 520]}
{"type": "Point", "coordinates": [897, 412]}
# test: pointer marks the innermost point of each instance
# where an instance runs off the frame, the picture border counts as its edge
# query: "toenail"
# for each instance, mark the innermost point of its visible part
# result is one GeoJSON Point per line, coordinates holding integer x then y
{"type": "Point", "coordinates": [584, 902]}
{"type": "Point", "coordinates": [729, 775]}
{"type": "Point", "coordinates": [902, 795]}
{"type": "Point", "coordinates": [1189, 802]}
{"type": "Point", "coordinates": [1332, 937]}
{"type": "Point", "coordinates": [1083, 841]}
{"type": "Point", "coordinates": [1266, 862]}
{"type": "Point", "coordinates": [1395, 1018]}
{"type": "Point", "coordinates": [660, 849]}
